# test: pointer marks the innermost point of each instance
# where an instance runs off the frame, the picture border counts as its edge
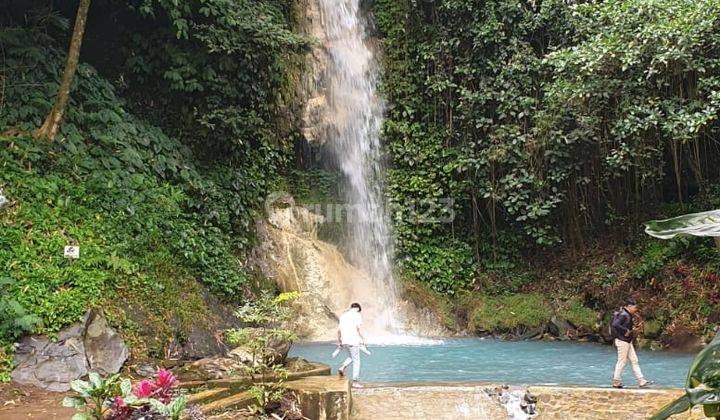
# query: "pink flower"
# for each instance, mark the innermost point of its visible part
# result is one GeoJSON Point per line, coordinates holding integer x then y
{"type": "Point", "coordinates": [119, 402]}
{"type": "Point", "coordinates": [165, 379]}
{"type": "Point", "coordinates": [144, 389]}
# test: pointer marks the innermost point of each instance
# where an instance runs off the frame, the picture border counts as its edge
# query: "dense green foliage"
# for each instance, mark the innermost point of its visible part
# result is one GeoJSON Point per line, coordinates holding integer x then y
{"type": "Point", "coordinates": [547, 122]}
{"type": "Point", "coordinates": [161, 204]}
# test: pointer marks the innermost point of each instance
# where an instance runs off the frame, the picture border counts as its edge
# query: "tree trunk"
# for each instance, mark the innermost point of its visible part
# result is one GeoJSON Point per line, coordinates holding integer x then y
{"type": "Point", "coordinates": [717, 242]}
{"type": "Point", "coordinates": [51, 125]}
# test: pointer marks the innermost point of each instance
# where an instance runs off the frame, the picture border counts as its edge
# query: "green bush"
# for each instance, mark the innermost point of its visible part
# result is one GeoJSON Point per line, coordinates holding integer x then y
{"type": "Point", "coordinates": [446, 265]}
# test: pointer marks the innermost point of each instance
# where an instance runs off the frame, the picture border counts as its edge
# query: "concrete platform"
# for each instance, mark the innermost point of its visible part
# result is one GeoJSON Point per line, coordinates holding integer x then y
{"type": "Point", "coordinates": [470, 401]}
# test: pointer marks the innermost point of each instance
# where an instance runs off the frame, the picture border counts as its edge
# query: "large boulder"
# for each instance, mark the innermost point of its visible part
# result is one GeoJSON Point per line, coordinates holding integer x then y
{"type": "Point", "coordinates": [51, 365]}
{"type": "Point", "coordinates": [105, 350]}
{"type": "Point", "coordinates": [90, 345]}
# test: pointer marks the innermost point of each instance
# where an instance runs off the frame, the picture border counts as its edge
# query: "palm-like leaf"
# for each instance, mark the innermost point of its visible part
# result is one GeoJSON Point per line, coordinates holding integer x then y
{"type": "Point", "coordinates": [694, 224]}
{"type": "Point", "coordinates": [702, 386]}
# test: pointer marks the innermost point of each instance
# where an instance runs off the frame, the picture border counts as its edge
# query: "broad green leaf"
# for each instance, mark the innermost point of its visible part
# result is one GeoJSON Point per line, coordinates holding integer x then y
{"type": "Point", "coordinates": [81, 387]}
{"type": "Point", "coordinates": [694, 224]}
{"type": "Point", "coordinates": [702, 386]}
{"type": "Point", "coordinates": [74, 402]}
{"type": "Point", "coordinates": [82, 416]}
{"type": "Point", "coordinates": [125, 387]}
{"type": "Point", "coordinates": [678, 406]}
{"type": "Point", "coordinates": [95, 379]}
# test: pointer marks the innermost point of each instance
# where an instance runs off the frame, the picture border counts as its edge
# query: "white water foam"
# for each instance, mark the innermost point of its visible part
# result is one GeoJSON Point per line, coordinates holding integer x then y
{"type": "Point", "coordinates": [355, 117]}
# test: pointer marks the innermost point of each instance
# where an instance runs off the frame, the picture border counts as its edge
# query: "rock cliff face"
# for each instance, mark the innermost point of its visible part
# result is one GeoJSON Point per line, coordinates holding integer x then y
{"type": "Point", "coordinates": [313, 86]}
{"type": "Point", "coordinates": [290, 253]}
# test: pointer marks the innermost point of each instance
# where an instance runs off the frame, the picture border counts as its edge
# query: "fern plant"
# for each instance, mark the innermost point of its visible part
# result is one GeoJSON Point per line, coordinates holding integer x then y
{"type": "Point", "coordinates": [14, 319]}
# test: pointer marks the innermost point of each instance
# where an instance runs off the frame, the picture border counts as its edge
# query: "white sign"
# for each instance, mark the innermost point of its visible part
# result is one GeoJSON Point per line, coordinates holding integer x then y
{"type": "Point", "coordinates": [72, 252]}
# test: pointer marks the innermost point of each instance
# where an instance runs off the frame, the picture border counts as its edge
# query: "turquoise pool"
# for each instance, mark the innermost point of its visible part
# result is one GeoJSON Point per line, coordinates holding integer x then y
{"type": "Point", "coordinates": [510, 362]}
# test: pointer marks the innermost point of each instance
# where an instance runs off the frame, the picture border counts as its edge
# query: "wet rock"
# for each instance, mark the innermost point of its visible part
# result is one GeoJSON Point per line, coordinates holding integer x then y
{"type": "Point", "coordinates": [90, 345]}
{"type": "Point", "coordinates": [532, 333]}
{"type": "Point", "coordinates": [289, 252]}
{"type": "Point", "coordinates": [203, 342]}
{"type": "Point", "coordinates": [280, 347]}
{"type": "Point", "coordinates": [560, 327]}
{"type": "Point", "coordinates": [685, 341]}
{"type": "Point", "coordinates": [606, 336]}
{"type": "Point", "coordinates": [298, 364]}
{"type": "Point", "coordinates": [529, 404]}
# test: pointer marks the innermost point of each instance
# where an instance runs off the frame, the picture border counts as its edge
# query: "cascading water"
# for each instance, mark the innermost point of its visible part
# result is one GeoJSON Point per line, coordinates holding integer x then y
{"type": "Point", "coordinates": [355, 115]}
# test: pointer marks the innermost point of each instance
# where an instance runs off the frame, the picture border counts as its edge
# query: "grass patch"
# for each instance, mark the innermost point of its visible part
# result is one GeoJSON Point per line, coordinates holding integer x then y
{"type": "Point", "coordinates": [508, 313]}
{"type": "Point", "coordinates": [579, 315]}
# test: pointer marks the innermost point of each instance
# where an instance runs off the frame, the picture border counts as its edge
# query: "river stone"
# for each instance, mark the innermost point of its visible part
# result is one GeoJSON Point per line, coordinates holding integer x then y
{"type": "Point", "coordinates": [560, 327]}
{"type": "Point", "coordinates": [79, 348]}
{"type": "Point", "coordinates": [532, 333]}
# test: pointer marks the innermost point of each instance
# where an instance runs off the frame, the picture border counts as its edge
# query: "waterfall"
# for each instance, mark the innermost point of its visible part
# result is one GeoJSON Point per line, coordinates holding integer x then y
{"type": "Point", "coordinates": [353, 123]}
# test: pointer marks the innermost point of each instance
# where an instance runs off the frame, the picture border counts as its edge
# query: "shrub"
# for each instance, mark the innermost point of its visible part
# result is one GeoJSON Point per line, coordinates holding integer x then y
{"type": "Point", "coordinates": [265, 317]}
{"type": "Point", "coordinates": [116, 399]}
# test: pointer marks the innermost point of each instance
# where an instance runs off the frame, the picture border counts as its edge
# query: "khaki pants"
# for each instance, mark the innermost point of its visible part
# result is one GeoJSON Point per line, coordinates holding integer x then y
{"type": "Point", "coordinates": [626, 351]}
{"type": "Point", "coordinates": [354, 358]}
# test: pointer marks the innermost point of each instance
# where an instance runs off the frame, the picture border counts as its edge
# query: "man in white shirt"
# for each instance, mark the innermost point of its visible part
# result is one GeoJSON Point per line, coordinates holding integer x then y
{"type": "Point", "coordinates": [350, 338]}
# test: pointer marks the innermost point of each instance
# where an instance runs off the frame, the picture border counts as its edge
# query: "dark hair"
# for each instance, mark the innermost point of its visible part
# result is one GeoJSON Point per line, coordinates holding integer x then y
{"type": "Point", "coordinates": [356, 306]}
{"type": "Point", "coordinates": [630, 301]}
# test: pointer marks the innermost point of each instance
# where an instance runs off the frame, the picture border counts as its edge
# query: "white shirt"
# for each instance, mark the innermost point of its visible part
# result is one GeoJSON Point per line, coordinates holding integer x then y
{"type": "Point", "coordinates": [350, 321]}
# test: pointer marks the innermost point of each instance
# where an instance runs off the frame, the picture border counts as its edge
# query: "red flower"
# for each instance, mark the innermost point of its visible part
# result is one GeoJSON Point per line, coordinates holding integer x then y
{"type": "Point", "coordinates": [144, 389]}
{"type": "Point", "coordinates": [165, 379]}
{"type": "Point", "coordinates": [119, 402]}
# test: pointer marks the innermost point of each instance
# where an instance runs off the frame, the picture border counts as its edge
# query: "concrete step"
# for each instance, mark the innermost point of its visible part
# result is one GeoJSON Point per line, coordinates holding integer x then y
{"type": "Point", "coordinates": [242, 382]}
{"type": "Point", "coordinates": [208, 395]}
{"type": "Point", "coordinates": [233, 402]}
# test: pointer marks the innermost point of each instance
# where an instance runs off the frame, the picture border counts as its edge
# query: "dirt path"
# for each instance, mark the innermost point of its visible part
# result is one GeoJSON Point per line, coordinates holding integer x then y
{"type": "Point", "coordinates": [27, 402]}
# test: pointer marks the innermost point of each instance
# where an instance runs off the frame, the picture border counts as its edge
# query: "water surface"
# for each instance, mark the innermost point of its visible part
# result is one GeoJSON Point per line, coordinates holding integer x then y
{"type": "Point", "coordinates": [518, 363]}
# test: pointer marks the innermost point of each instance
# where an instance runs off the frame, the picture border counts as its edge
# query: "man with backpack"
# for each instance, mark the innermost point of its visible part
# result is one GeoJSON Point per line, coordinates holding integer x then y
{"type": "Point", "coordinates": [622, 330]}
